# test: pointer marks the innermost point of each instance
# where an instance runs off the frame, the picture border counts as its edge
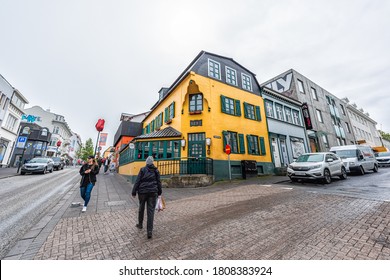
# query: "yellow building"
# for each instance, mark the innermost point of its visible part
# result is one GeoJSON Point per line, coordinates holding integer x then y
{"type": "Point", "coordinates": [214, 102]}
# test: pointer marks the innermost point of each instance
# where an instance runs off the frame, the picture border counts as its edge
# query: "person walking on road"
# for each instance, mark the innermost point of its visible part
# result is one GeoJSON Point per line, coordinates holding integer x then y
{"type": "Point", "coordinates": [148, 187]}
{"type": "Point", "coordinates": [89, 171]}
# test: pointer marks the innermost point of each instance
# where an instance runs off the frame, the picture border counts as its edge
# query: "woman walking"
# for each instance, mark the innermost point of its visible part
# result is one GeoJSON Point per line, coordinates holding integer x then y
{"type": "Point", "coordinates": [89, 171]}
{"type": "Point", "coordinates": [148, 187]}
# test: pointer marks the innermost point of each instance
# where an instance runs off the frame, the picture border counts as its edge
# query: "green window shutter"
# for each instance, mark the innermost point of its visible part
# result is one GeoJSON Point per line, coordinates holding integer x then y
{"type": "Point", "coordinates": [262, 146]}
{"type": "Point", "coordinates": [160, 119]}
{"type": "Point", "coordinates": [248, 142]}
{"type": "Point", "coordinates": [166, 114]}
{"type": "Point", "coordinates": [245, 110]}
{"type": "Point", "coordinates": [173, 109]}
{"type": "Point", "coordinates": [224, 135]}
{"type": "Point", "coordinates": [223, 104]}
{"type": "Point", "coordinates": [238, 108]}
{"type": "Point", "coordinates": [258, 115]}
{"type": "Point", "coordinates": [242, 144]}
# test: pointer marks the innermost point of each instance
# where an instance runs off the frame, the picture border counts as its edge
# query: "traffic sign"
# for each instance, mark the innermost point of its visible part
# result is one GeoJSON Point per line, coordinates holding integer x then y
{"type": "Point", "coordinates": [22, 140]}
{"type": "Point", "coordinates": [228, 149]}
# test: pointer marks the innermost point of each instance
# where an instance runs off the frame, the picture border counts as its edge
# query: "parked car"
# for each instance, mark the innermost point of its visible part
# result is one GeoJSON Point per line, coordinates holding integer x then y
{"type": "Point", "coordinates": [38, 165]}
{"type": "Point", "coordinates": [383, 159]}
{"type": "Point", "coordinates": [317, 166]}
{"type": "Point", "coordinates": [58, 163]}
{"type": "Point", "coordinates": [357, 158]}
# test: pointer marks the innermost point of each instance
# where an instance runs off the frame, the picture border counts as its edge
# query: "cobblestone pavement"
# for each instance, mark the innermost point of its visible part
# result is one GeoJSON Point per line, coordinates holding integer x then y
{"type": "Point", "coordinates": [251, 220]}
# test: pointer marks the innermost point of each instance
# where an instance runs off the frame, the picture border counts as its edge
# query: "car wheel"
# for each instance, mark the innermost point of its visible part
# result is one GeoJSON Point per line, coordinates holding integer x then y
{"type": "Point", "coordinates": [327, 177]}
{"type": "Point", "coordinates": [22, 173]}
{"type": "Point", "coordinates": [294, 180]}
{"type": "Point", "coordinates": [361, 170]}
{"type": "Point", "coordinates": [343, 175]}
{"type": "Point", "coordinates": [375, 168]}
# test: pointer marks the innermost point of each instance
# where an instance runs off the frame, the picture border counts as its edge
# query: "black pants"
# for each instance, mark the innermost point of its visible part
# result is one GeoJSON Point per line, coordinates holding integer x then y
{"type": "Point", "coordinates": [149, 199]}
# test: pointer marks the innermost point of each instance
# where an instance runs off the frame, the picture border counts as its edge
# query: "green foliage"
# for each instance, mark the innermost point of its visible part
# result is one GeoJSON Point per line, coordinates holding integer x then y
{"type": "Point", "coordinates": [385, 135]}
{"type": "Point", "coordinates": [87, 149]}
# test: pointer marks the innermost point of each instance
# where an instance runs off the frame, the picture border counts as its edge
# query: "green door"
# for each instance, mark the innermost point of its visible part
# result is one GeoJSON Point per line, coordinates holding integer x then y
{"type": "Point", "coordinates": [196, 153]}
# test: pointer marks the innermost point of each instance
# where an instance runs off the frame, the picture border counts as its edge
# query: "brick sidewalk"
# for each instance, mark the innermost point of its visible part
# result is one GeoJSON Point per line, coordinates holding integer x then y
{"type": "Point", "coordinates": [240, 220]}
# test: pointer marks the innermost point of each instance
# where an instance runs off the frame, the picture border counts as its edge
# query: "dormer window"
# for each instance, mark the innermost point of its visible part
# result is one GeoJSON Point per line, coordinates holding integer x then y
{"type": "Point", "coordinates": [214, 69]}
{"type": "Point", "coordinates": [246, 82]}
{"type": "Point", "coordinates": [231, 76]}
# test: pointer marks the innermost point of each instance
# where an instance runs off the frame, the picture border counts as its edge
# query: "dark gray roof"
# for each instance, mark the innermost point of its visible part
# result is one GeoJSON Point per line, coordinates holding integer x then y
{"type": "Point", "coordinates": [164, 133]}
{"type": "Point", "coordinates": [127, 129]}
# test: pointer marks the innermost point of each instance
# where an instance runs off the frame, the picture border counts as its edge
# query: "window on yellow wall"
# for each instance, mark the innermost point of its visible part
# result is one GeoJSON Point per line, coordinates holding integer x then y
{"type": "Point", "coordinates": [196, 102]}
{"type": "Point", "coordinates": [230, 106]}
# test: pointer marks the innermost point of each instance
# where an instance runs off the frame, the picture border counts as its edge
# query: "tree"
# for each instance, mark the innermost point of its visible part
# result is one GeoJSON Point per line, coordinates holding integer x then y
{"type": "Point", "coordinates": [384, 135]}
{"type": "Point", "coordinates": [87, 149]}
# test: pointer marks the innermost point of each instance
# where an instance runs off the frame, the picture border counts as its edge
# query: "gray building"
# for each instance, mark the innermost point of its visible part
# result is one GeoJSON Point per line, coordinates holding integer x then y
{"type": "Point", "coordinates": [326, 121]}
{"type": "Point", "coordinates": [287, 133]}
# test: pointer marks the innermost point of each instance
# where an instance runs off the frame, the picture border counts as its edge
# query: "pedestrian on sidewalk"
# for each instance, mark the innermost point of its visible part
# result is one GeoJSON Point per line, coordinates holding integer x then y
{"type": "Point", "coordinates": [89, 171]}
{"type": "Point", "coordinates": [106, 164]}
{"type": "Point", "coordinates": [148, 187]}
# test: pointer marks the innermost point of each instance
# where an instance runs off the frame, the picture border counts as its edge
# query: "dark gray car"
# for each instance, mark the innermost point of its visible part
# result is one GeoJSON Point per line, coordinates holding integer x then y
{"type": "Point", "coordinates": [58, 163]}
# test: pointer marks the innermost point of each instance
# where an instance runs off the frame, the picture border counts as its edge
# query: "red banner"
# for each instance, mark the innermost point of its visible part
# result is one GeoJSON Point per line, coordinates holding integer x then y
{"type": "Point", "coordinates": [103, 139]}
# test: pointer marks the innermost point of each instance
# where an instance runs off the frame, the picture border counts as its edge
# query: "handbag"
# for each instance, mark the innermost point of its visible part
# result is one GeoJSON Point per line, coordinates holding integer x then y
{"type": "Point", "coordinates": [160, 205]}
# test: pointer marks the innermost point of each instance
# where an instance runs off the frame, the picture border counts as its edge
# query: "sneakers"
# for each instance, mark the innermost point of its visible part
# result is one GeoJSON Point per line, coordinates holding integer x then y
{"type": "Point", "coordinates": [149, 235]}
{"type": "Point", "coordinates": [139, 226]}
{"type": "Point", "coordinates": [84, 209]}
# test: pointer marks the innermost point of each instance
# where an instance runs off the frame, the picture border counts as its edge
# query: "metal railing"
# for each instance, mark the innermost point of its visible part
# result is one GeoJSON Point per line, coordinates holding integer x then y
{"type": "Point", "coordinates": [186, 166]}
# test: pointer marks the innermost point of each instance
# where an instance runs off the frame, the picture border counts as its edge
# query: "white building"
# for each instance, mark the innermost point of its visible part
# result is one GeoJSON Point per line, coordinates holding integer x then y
{"type": "Point", "coordinates": [75, 145]}
{"type": "Point", "coordinates": [12, 104]}
{"type": "Point", "coordinates": [362, 126]}
{"type": "Point", "coordinates": [60, 142]}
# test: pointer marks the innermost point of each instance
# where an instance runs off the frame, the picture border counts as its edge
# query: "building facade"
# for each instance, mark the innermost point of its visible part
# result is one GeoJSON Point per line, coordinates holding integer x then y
{"type": "Point", "coordinates": [12, 104]}
{"type": "Point", "coordinates": [215, 102]}
{"type": "Point", "coordinates": [286, 127]}
{"type": "Point", "coordinates": [325, 118]}
{"type": "Point", "coordinates": [362, 126]}
{"type": "Point", "coordinates": [61, 134]}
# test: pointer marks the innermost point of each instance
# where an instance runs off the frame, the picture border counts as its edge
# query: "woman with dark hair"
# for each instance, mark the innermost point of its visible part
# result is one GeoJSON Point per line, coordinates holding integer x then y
{"type": "Point", "coordinates": [89, 171]}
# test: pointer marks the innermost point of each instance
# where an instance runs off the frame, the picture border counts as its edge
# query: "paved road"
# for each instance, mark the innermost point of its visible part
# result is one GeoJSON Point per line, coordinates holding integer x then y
{"type": "Point", "coordinates": [25, 199]}
{"type": "Point", "coordinates": [373, 186]}
{"type": "Point", "coordinates": [253, 219]}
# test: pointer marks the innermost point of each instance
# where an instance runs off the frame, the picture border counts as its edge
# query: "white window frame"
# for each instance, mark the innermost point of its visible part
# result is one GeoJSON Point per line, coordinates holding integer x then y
{"type": "Point", "coordinates": [246, 84]}
{"type": "Point", "coordinates": [300, 86]}
{"type": "Point", "coordinates": [219, 69]}
{"type": "Point", "coordinates": [11, 122]}
{"type": "Point", "coordinates": [314, 93]}
{"type": "Point", "coordinates": [319, 116]}
{"type": "Point", "coordinates": [231, 70]}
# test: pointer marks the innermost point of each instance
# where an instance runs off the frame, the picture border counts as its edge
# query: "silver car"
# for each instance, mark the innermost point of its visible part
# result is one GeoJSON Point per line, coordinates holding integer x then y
{"type": "Point", "coordinates": [317, 166]}
{"type": "Point", "coordinates": [383, 159]}
{"type": "Point", "coordinates": [38, 165]}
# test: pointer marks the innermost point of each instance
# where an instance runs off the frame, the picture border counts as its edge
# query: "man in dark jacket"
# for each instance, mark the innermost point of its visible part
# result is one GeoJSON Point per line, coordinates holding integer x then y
{"type": "Point", "coordinates": [148, 187]}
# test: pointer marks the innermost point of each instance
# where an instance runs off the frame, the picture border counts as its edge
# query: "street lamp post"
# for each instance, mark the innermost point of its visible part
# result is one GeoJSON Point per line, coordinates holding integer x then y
{"type": "Point", "coordinates": [58, 145]}
{"type": "Point", "coordinates": [99, 127]}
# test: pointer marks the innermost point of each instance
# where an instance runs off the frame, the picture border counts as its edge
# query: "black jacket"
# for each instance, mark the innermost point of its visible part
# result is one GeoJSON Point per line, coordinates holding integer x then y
{"type": "Point", "coordinates": [88, 178]}
{"type": "Point", "coordinates": [148, 181]}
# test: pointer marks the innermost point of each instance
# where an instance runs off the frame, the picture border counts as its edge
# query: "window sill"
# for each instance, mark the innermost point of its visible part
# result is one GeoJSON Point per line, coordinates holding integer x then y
{"type": "Point", "coordinates": [195, 112]}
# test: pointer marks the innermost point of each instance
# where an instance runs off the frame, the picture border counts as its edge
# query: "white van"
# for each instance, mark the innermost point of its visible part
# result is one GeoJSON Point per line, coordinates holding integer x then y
{"type": "Point", "coordinates": [357, 158]}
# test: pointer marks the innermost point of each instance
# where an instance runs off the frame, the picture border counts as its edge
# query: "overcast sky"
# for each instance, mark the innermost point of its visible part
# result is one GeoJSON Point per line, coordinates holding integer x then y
{"type": "Point", "coordinates": [91, 59]}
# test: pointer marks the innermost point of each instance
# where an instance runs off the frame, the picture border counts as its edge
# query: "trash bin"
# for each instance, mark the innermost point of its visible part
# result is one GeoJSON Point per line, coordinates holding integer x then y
{"type": "Point", "coordinates": [248, 168]}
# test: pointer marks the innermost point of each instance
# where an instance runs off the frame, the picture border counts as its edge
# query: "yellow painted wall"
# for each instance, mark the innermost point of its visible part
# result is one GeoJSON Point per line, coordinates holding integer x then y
{"type": "Point", "coordinates": [214, 122]}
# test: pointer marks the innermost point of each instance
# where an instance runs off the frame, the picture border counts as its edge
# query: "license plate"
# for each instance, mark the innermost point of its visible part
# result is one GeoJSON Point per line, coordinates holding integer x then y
{"type": "Point", "coordinates": [300, 173]}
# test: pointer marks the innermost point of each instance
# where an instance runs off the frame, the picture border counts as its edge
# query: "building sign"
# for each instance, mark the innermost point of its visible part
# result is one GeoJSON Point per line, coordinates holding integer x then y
{"type": "Point", "coordinates": [31, 118]}
{"type": "Point", "coordinates": [103, 139]}
{"type": "Point", "coordinates": [306, 116]}
{"type": "Point", "coordinates": [196, 123]}
{"type": "Point", "coordinates": [22, 140]}
{"type": "Point", "coordinates": [282, 84]}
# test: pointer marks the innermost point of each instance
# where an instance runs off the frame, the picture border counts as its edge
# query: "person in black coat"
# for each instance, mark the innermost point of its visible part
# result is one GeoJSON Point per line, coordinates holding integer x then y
{"type": "Point", "coordinates": [89, 171]}
{"type": "Point", "coordinates": [148, 187]}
